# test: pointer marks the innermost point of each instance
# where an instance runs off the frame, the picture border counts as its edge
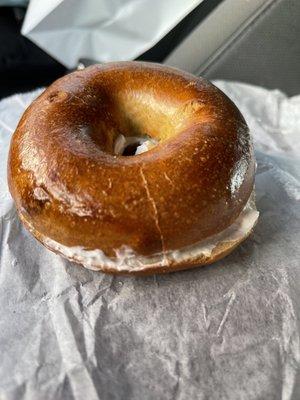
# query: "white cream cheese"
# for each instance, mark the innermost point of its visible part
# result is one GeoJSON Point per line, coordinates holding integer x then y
{"type": "Point", "coordinates": [127, 260]}
{"type": "Point", "coordinates": [143, 144]}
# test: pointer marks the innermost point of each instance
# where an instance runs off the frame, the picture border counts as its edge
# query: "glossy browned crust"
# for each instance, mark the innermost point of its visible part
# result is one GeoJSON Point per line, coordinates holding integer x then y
{"type": "Point", "coordinates": [66, 181]}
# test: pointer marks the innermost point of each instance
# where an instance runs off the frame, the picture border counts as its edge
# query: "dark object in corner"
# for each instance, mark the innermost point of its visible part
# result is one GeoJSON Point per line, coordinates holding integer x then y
{"type": "Point", "coordinates": [23, 65]}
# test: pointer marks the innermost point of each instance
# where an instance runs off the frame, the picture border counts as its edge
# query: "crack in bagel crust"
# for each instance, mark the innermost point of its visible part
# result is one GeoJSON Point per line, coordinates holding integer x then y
{"type": "Point", "coordinates": [155, 213]}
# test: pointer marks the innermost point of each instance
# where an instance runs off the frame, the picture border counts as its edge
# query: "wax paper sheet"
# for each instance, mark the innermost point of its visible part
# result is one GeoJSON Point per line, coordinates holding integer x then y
{"type": "Point", "coordinates": [227, 331]}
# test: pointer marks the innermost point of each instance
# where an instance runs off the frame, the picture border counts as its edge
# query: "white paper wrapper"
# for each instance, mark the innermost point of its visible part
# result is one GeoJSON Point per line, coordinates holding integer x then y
{"type": "Point", "coordinates": [227, 331]}
{"type": "Point", "coordinates": [101, 30]}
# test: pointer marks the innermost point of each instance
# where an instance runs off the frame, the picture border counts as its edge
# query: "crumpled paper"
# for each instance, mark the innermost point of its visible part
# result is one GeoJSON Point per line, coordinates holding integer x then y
{"type": "Point", "coordinates": [226, 331]}
{"type": "Point", "coordinates": [101, 30]}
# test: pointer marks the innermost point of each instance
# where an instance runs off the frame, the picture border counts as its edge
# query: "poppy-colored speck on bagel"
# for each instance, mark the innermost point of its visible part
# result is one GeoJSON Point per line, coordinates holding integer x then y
{"type": "Point", "coordinates": [120, 213]}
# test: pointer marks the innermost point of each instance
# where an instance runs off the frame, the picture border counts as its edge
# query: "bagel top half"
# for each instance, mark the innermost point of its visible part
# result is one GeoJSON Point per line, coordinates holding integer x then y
{"type": "Point", "coordinates": [71, 188]}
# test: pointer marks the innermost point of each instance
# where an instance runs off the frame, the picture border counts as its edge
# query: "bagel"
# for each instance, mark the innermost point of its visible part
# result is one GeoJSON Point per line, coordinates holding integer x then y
{"type": "Point", "coordinates": [134, 167]}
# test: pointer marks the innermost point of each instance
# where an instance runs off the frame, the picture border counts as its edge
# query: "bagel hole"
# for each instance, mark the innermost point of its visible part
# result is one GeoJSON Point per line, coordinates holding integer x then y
{"type": "Point", "coordinates": [133, 145]}
{"type": "Point", "coordinates": [133, 121]}
{"type": "Point", "coordinates": [131, 149]}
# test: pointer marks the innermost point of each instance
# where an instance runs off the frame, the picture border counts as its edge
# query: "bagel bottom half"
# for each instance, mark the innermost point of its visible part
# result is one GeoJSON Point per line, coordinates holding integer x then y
{"type": "Point", "coordinates": [128, 262]}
